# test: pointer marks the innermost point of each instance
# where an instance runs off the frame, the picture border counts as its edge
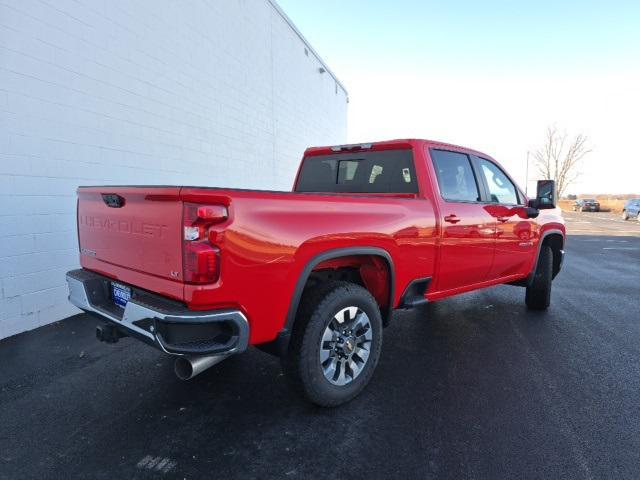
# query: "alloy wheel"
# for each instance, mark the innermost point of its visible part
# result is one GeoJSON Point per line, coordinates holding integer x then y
{"type": "Point", "coordinates": [345, 346]}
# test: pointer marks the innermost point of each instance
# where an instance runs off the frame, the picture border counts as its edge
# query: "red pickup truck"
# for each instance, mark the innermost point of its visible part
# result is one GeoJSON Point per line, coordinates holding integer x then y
{"type": "Point", "coordinates": [315, 274]}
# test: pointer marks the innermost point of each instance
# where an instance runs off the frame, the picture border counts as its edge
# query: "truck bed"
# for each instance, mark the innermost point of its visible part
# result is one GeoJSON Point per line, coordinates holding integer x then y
{"type": "Point", "coordinates": [264, 243]}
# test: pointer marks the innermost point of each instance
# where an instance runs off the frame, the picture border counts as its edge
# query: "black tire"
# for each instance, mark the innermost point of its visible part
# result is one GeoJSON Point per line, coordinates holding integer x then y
{"type": "Point", "coordinates": [625, 215]}
{"type": "Point", "coordinates": [302, 363]}
{"type": "Point", "coordinates": [538, 296]}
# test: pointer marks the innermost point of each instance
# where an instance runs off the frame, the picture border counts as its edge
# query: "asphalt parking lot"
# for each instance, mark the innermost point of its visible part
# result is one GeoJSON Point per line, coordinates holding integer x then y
{"type": "Point", "coordinates": [471, 387]}
{"type": "Point", "coordinates": [601, 223]}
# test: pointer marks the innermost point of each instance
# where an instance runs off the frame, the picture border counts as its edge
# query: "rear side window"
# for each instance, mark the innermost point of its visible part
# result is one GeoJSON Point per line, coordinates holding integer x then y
{"type": "Point", "coordinates": [501, 189]}
{"type": "Point", "coordinates": [455, 176]}
{"type": "Point", "coordinates": [390, 171]}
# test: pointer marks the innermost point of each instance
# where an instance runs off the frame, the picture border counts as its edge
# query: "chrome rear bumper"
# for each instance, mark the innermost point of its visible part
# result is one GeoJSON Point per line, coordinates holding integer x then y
{"type": "Point", "coordinates": [159, 321]}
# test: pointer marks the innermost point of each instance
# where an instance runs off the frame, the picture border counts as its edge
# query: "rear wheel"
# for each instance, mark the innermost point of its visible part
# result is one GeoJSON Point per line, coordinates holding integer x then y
{"type": "Point", "coordinates": [335, 343]}
{"type": "Point", "coordinates": [625, 215]}
{"type": "Point", "coordinates": [538, 296]}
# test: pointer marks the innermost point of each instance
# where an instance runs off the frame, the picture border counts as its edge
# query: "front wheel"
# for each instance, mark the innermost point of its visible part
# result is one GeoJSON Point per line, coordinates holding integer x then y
{"type": "Point", "coordinates": [538, 296]}
{"type": "Point", "coordinates": [625, 215]}
{"type": "Point", "coordinates": [335, 343]}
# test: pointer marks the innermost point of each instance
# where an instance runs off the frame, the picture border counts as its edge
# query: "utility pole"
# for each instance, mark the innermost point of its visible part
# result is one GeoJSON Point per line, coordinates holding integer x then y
{"type": "Point", "coordinates": [526, 181]}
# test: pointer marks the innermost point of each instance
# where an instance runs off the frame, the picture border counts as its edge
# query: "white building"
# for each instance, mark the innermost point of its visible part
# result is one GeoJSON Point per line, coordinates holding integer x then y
{"type": "Point", "coordinates": [215, 92]}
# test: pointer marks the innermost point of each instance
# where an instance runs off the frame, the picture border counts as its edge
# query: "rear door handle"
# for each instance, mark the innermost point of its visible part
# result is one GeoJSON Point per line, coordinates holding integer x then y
{"type": "Point", "coordinates": [451, 218]}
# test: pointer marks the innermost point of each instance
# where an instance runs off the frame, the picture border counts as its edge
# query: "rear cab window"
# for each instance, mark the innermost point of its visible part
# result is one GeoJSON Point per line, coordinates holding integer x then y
{"type": "Point", "coordinates": [456, 179]}
{"type": "Point", "coordinates": [388, 171]}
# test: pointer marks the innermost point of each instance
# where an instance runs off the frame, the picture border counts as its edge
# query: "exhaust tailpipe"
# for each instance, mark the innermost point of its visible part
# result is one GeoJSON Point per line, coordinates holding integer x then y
{"type": "Point", "coordinates": [188, 366]}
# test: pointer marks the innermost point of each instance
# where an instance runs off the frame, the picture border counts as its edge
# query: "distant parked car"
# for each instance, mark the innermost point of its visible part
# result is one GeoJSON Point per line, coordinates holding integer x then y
{"type": "Point", "coordinates": [586, 205]}
{"type": "Point", "coordinates": [631, 209]}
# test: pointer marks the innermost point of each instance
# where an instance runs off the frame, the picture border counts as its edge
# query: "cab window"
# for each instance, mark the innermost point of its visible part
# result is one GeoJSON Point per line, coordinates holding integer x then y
{"type": "Point", "coordinates": [501, 188]}
{"type": "Point", "coordinates": [456, 180]}
{"type": "Point", "coordinates": [387, 171]}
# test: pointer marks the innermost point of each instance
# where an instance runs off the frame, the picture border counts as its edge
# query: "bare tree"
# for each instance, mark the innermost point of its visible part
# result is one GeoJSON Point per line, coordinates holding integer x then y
{"type": "Point", "coordinates": [560, 157]}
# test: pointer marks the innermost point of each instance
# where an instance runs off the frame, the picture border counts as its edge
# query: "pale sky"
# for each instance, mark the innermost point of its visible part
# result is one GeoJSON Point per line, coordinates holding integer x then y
{"type": "Point", "coordinates": [489, 75]}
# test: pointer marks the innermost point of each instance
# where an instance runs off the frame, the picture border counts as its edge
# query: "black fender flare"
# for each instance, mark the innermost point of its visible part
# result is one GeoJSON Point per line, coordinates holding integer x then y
{"type": "Point", "coordinates": [330, 255]}
{"type": "Point", "coordinates": [553, 231]}
{"type": "Point", "coordinates": [280, 344]}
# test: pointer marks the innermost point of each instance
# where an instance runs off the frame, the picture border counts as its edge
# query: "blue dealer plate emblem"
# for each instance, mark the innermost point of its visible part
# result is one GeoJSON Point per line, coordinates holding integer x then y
{"type": "Point", "coordinates": [121, 294]}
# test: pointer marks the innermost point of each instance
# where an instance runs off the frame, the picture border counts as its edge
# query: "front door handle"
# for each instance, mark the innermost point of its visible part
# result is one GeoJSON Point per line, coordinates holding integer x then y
{"type": "Point", "coordinates": [502, 219]}
{"type": "Point", "coordinates": [451, 218]}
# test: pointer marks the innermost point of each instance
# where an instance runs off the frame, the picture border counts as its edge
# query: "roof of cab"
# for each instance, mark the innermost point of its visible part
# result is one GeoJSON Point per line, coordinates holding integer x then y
{"type": "Point", "coordinates": [400, 143]}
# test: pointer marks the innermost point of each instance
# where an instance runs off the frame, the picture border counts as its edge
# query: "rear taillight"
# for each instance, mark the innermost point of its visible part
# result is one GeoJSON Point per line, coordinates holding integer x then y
{"type": "Point", "coordinates": [201, 262]}
{"type": "Point", "coordinates": [212, 213]}
{"type": "Point", "coordinates": [201, 259]}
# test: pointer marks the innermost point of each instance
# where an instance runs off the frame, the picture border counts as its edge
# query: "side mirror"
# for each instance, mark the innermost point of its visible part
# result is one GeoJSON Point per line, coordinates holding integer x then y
{"type": "Point", "coordinates": [546, 195]}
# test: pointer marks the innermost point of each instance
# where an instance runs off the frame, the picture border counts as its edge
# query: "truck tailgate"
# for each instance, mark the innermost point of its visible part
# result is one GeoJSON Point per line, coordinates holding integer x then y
{"type": "Point", "coordinates": [136, 228]}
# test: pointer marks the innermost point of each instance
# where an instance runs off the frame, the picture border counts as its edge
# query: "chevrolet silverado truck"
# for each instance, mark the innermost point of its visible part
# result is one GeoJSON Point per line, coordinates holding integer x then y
{"type": "Point", "coordinates": [311, 275]}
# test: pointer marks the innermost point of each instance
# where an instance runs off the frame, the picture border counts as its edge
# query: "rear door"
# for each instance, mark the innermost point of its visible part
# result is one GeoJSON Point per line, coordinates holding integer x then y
{"type": "Point", "coordinates": [138, 229]}
{"type": "Point", "coordinates": [515, 236]}
{"type": "Point", "coordinates": [468, 230]}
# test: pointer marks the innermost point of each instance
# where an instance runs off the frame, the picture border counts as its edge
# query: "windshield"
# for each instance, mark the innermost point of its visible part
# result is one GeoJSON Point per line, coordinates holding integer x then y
{"type": "Point", "coordinates": [390, 171]}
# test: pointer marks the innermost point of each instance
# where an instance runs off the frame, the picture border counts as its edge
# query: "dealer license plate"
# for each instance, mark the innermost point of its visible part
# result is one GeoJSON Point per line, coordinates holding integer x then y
{"type": "Point", "coordinates": [121, 294]}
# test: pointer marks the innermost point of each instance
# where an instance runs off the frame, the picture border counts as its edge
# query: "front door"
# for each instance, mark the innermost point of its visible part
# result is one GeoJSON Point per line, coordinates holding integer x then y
{"type": "Point", "coordinates": [515, 235]}
{"type": "Point", "coordinates": [468, 229]}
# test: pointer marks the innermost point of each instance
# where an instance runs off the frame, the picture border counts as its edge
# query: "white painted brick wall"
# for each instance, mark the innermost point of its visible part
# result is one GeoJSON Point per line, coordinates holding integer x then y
{"type": "Point", "coordinates": [207, 92]}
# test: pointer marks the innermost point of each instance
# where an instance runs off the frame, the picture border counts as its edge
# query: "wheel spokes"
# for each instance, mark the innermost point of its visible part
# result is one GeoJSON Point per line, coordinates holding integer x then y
{"type": "Point", "coordinates": [361, 325]}
{"type": "Point", "coordinates": [329, 334]}
{"type": "Point", "coordinates": [344, 346]}
{"type": "Point", "coordinates": [362, 354]}
{"type": "Point", "coordinates": [330, 369]}
{"type": "Point", "coordinates": [345, 315]}
{"type": "Point", "coordinates": [325, 354]}
{"type": "Point", "coordinates": [354, 367]}
{"type": "Point", "coordinates": [366, 337]}
{"type": "Point", "coordinates": [341, 379]}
